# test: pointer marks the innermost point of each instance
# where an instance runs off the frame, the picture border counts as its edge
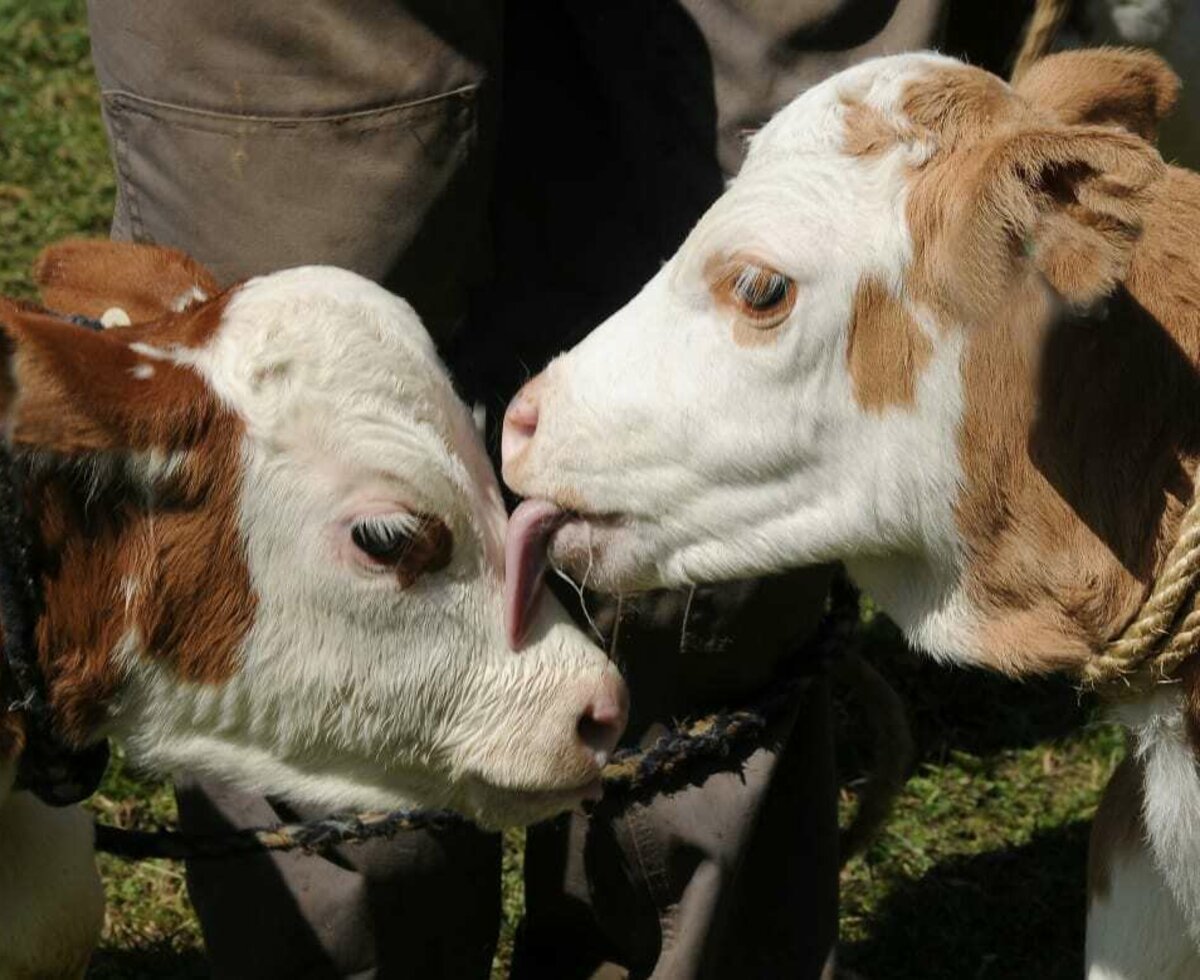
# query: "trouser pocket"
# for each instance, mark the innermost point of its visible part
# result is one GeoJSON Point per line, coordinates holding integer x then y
{"type": "Point", "coordinates": [391, 192]}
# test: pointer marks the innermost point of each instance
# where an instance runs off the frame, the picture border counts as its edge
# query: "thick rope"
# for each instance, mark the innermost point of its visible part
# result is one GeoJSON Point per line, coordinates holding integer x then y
{"type": "Point", "coordinates": [1166, 631]}
{"type": "Point", "coordinates": [685, 755]}
{"type": "Point", "coordinates": [1045, 22]}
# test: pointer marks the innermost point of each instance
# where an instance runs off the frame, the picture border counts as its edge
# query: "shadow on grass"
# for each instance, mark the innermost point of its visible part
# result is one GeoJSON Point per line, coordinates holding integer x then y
{"type": "Point", "coordinates": [147, 963]}
{"type": "Point", "coordinates": [993, 916]}
{"type": "Point", "coordinates": [955, 709]}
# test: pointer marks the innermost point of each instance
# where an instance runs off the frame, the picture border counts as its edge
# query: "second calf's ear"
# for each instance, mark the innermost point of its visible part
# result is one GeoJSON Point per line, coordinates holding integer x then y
{"type": "Point", "coordinates": [94, 276]}
{"type": "Point", "coordinates": [1123, 87]}
{"type": "Point", "coordinates": [1068, 200]}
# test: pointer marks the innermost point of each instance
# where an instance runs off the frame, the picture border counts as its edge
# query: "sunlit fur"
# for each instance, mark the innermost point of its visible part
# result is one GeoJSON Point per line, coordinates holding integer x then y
{"type": "Point", "coordinates": [693, 458]}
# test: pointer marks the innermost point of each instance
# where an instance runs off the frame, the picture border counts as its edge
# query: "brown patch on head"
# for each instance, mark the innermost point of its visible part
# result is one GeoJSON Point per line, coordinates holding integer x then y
{"type": "Point", "coordinates": [428, 549]}
{"type": "Point", "coordinates": [1104, 86]}
{"type": "Point", "coordinates": [89, 276]}
{"type": "Point", "coordinates": [1117, 827]}
{"type": "Point", "coordinates": [886, 350]}
{"type": "Point", "coordinates": [76, 390]}
{"type": "Point", "coordinates": [1011, 191]}
{"type": "Point", "coordinates": [1079, 436]}
{"type": "Point", "coordinates": [1073, 442]}
{"type": "Point", "coordinates": [868, 132]}
{"type": "Point", "coordinates": [139, 558]}
{"type": "Point", "coordinates": [959, 105]}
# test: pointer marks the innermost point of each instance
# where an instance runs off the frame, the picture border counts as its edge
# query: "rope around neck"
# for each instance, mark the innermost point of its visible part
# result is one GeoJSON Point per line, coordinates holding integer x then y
{"type": "Point", "coordinates": [1044, 24]}
{"type": "Point", "coordinates": [1166, 631]}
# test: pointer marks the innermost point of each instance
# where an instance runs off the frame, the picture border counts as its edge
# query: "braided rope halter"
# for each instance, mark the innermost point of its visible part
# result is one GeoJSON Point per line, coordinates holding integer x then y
{"type": "Point", "coordinates": [1165, 633]}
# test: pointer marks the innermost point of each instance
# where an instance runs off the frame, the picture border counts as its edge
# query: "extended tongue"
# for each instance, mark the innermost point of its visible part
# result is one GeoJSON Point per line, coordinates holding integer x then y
{"type": "Point", "coordinates": [529, 530]}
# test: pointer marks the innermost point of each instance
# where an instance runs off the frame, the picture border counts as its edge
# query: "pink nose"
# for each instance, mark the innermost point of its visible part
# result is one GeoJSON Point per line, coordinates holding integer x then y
{"type": "Point", "coordinates": [603, 721]}
{"type": "Point", "coordinates": [520, 421]}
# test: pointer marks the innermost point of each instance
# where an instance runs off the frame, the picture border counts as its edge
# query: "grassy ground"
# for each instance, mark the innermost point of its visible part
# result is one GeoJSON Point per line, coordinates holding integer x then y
{"type": "Point", "coordinates": [979, 873]}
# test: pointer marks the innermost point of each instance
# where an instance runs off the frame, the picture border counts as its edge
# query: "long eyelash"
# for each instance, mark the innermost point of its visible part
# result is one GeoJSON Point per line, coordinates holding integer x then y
{"type": "Point", "coordinates": [756, 284]}
{"type": "Point", "coordinates": [389, 528]}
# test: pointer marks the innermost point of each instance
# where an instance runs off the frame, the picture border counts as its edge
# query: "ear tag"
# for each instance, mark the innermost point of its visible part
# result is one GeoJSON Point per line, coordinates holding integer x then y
{"type": "Point", "coordinates": [114, 316]}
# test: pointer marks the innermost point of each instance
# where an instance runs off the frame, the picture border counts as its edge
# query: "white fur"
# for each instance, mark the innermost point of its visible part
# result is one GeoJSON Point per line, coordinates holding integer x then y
{"type": "Point", "coordinates": [1136, 931]}
{"type": "Point", "coordinates": [764, 455]}
{"type": "Point", "coordinates": [189, 297]}
{"type": "Point", "coordinates": [351, 692]}
{"type": "Point", "coordinates": [114, 316]}
{"type": "Point", "coordinates": [1148, 923]}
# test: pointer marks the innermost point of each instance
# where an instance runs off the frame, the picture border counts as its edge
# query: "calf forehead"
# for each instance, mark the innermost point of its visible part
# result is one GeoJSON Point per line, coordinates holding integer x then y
{"type": "Point", "coordinates": [322, 359]}
{"type": "Point", "coordinates": [814, 123]}
{"type": "Point", "coordinates": [320, 330]}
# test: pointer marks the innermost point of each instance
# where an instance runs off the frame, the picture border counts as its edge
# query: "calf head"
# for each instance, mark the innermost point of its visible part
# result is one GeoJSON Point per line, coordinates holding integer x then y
{"type": "Point", "coordinates": [848, 359]}
{"type": "Point", "coordinates": [271, 544]}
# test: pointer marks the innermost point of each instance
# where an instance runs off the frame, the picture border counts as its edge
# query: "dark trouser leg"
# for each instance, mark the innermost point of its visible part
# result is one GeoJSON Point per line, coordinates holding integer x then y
{"type": "Point", "coordinates": [733, 877]}
{"type": "Point", "coordinates": [421, 905]}
{"type": "Point", "coordinates": [351, 132]}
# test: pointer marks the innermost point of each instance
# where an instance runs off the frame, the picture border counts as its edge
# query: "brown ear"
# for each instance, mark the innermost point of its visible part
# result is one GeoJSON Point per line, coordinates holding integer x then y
{"type": "Point", "coordinates": [92, 276]}
{"type": "Point", "coordinates": [1068, 200]}
{"type": "Point", "coordinates": [1123, 87]}
{"type": "Point", "coordinates": [68, 390]}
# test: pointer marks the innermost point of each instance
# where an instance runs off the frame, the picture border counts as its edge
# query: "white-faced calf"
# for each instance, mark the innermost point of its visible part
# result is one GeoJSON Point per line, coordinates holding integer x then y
{"type": "Point", "coordinates": [272, 550]}
{"type": "Point", "coordinates": [947, 332]}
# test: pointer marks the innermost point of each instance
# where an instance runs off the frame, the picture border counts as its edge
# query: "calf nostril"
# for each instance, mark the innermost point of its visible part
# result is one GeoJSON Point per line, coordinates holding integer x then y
{"type": "Point", "coordinates": [600, 728]}
{"type": "Point", "coordinates": [520, 421]}
{"type": "Point", "coordinates": [522, 413]}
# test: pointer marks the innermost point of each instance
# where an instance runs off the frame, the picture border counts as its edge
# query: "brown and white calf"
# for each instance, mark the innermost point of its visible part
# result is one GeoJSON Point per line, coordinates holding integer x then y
{"type": "Point", "coordinates": [272, 550]}
{"type": "Point", "coordinates": [947, 332]}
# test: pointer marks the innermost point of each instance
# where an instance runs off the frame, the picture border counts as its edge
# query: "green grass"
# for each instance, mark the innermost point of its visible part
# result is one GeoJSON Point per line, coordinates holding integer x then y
{"type": "Point", "coordinates": [979, 873]}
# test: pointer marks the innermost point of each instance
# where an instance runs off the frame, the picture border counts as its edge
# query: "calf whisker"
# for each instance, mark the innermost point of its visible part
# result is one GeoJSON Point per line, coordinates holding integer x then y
{"type": "Point", "coordinates": [580, 586]}
{"type": "Point", "coordinates": [687, 612]}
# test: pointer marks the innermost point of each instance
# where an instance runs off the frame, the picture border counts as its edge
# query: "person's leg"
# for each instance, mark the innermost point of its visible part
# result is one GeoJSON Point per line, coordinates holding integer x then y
{"type": "Point", "coordinates": [264, 135]}
{"type": "Point", "coordinates": [356, 133]}
{"type": "Point", "coordinates": [735, 877]}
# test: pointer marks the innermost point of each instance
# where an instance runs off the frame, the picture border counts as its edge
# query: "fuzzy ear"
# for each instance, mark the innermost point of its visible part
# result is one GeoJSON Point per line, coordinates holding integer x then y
{"type": "Point", "coordinates": [1123, 87]}
{"type": "Point", "coordinates": [1067, 199]}
{"type": "Point", "coordinates": [95, 276]}
{"type": "Point", "coordinates": [68, 390]}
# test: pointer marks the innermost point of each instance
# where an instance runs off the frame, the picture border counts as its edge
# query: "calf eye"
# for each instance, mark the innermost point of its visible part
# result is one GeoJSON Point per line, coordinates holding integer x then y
{"type": "Point", "coordinates": [381, 540]}
{"type": "Point", "coordinates": [762, 297]}
{"type": "Point", "coordinates": [760, 290]}
{"type": "Point", "coordinates": [411, 544]}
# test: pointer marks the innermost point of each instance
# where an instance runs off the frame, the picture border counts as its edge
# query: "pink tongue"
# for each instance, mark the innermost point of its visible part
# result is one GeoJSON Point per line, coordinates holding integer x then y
{"type": "Point", "coordinates": [529, 530]}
